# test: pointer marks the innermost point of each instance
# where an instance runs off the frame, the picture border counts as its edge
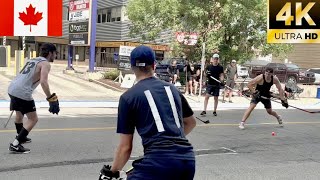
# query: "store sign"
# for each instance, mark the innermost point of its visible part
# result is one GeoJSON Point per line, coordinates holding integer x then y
{"type": "Point", "coordinates": [78, 39]}
{"type": "Point", "coordinates": [125, 50]}
{"type": "Point", "coordinates": [79, 15]}
{"type": "Point", "coordinates": [79, 5]}
{"type": "Point", "coordinates": [124, 63]}
{"type": "Point", "coordinates": [187, 38]}
{"type": "Point", "coordinates": [79, 27]}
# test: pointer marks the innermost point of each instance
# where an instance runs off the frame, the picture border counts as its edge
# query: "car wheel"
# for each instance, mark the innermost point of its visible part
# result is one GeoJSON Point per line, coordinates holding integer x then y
{"type": "Point", "coordinates": [292, 79]}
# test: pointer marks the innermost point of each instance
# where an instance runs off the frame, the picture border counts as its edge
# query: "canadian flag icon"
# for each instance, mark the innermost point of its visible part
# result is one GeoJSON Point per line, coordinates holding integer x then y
{"type": "Point", "coordinates": [31, 18]}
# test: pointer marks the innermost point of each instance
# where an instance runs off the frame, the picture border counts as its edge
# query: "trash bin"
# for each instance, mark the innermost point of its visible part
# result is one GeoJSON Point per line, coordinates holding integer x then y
{"type": "Point", "coordinates": [318, 92]}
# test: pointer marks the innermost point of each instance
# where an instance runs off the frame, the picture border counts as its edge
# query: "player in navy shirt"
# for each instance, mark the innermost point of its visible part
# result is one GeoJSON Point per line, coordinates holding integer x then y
{"type": "Point", "coordinates": [162, 117]}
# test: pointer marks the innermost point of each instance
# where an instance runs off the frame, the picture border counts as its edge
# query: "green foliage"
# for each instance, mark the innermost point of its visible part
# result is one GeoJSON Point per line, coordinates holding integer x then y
{"type": "Point", "coordinates": [113, 74]}
{"type": "Point", "coordinates": [236, 28]}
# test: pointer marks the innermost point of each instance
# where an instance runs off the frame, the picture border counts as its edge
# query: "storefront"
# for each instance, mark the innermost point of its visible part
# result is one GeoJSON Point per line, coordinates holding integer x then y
{"type": "Point", "coordinates": [108, 52]}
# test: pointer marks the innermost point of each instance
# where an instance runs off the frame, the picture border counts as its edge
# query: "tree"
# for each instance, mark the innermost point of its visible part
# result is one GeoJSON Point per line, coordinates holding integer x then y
{"type": "Point", "coordinates": [233, 27]}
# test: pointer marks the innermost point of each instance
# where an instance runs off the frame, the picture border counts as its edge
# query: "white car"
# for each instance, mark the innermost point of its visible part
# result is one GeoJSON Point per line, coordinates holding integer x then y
{"type": "Point", "coordinates": [316, 72]}
{"type": "Point", "coordinates": [243, 71]}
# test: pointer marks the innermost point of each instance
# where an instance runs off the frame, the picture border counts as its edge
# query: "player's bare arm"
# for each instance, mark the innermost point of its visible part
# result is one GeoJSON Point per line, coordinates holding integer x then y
{"type": "Point", "coordinates": [221, 77]}
{"type": "Point", "coordinates": [279, 87]}
{"type": "Point", "coordinates": [189, 124]}
{"type": "Point", "coordinates": [123, 152]}
{"type": "Point", "coordinates": [252, 84]}
{"type": "Point", "coordinates": [44, 73]}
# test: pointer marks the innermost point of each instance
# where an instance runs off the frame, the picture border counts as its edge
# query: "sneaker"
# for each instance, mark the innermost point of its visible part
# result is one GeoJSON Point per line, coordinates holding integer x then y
{"type": "Point", "coordinates": [203, 113]}
{"type": "Point", "coordinates": [280, 121]}
{"type": "Point", "coordinates": [241, 125]}
{"type": "Point", "coordinates": [18, 149]}
{"type": "Point", "coordinates": [230, 101]}
{"type": "Point", "coordinates": [25, 140]}
{"type": "Point", "coordinates": [214, 113]}
{"type": "Point", "coordinates": [223, 101]}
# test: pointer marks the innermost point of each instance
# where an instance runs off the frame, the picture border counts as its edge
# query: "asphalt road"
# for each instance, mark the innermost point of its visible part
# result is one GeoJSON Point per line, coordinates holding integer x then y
{"type": "Point", "coordinates": [75, 145]}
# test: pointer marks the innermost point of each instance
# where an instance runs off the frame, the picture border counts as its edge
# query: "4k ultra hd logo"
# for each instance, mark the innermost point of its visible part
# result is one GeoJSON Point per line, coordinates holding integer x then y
{"type": "Point", "coordinates": [293, 21]}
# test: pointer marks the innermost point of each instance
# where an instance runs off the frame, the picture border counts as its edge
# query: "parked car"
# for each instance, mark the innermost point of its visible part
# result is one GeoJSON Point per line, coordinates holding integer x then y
{"type": "Point", "coordinates": [242, 71]}
{"type": "Point", "coordinates": [162, 68]}
{"type": "Point", "coordinates": [286, 73]}
{"type": "Point", "coordinates": [316, 72]}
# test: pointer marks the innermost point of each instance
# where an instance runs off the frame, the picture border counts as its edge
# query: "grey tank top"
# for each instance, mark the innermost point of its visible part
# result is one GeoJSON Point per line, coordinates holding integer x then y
{"type": "Point", "coordinates": [23, 85]}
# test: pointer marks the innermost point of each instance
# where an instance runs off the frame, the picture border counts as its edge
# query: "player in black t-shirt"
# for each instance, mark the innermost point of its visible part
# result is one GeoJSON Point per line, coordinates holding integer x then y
{"type": "Point", "coordinates": [214, 69]}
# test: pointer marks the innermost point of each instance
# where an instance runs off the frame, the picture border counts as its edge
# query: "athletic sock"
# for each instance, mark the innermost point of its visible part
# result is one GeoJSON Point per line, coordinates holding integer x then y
{"type": "Point", "coordinates": [19, 126]}
{"type": "Point", "coordinates": [15, 142]}
{"type": "Point", "coordinates": [23, 134]}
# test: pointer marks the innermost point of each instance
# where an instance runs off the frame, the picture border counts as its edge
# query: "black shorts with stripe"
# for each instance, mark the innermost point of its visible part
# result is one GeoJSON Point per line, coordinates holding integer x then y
{"type": "Point", "coordinates": [21, 105]}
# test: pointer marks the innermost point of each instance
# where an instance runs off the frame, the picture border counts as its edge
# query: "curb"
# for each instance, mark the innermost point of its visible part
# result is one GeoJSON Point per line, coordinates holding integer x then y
{"type": "Point", "coordinates": [94, 81]}
{"type": "Point", "coordinates": [105, 85]}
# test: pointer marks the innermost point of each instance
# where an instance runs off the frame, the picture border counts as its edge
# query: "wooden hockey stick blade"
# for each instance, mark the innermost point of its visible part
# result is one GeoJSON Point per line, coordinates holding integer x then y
{"type": "Point", "coordinates": [206, 122]}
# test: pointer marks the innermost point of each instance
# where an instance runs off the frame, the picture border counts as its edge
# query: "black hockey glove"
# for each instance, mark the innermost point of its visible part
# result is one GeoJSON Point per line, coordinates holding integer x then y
{"type": "Point", "coordinates": [107, 174]}
{"type": "Point", "coordinates": [54, 104]}
{"type": "Point", "coordinates": [285, 103]}
{"type": "Point", "coordinates": [222, 83]}
{"type": "Point", "coordinates": [255, 94]}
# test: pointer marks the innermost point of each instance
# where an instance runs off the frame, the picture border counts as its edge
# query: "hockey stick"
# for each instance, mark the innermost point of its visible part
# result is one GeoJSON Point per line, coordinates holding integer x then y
{"type": "Point", "coordinates": [312, 112]}
{"type": "Point", "coordinates": [5, 125]}
{"type": "Point", "coordinates": [304, 110]}
{"type": "Point", "coordinates": [206, 122]}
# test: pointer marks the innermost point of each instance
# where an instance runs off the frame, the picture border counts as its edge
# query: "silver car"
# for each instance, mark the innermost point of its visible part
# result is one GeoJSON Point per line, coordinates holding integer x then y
{"type": "Point", "coordinates": [316, 72]}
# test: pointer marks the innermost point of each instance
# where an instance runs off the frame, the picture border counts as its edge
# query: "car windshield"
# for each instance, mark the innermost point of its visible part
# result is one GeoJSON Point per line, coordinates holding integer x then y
{"type": "Point", "coordinates": [292, 66]}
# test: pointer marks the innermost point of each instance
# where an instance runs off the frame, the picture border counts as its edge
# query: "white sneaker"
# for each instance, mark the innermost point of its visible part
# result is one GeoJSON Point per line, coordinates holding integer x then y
{"type": "Point", "coordinates": [280, 121]}
{"type": "Point", "coordinates": [241, 125]}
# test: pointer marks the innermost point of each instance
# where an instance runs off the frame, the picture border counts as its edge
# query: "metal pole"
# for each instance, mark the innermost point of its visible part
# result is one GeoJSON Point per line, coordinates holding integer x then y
{"type": "Point", "coordinates": [4, 40]}
{"type": "Point", "coordinates": [202, 66]}
{"type": "Point", "coordinates": [93, 35]}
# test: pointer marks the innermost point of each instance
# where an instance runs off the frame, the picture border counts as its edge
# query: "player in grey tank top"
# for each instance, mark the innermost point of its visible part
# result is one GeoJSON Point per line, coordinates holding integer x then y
{"type": "Point", "coordinates": [20, 90]}
{"type": "Point", "coordinates": [24, 84]}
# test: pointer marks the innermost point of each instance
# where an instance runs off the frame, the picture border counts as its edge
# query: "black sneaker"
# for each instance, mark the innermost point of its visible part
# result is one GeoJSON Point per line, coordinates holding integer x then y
{"type": "Point", "coordinates": [18, 149]}
{"type": "Point", "coordinates": [223, 101]}
{"type": "Point", "coordinates": [203, 113]}
{"type": "Point", "coordinates": [25, 140]}
{"type": "Point", "coordinates": [214, 113]}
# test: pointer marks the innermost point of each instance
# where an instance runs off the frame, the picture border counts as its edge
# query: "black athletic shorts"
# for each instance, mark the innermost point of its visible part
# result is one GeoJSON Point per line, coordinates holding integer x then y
{"type": "Point", "coordinates": [213, 90]}
{"type": "Point", "coordinates": [265, 102]}
{"type": "Point", "coordinates": [21, 105]}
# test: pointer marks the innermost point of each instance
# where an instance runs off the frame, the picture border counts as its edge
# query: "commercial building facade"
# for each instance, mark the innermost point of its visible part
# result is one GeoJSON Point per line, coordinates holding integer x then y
{"type": "Point", "coordinates": [112, 31]}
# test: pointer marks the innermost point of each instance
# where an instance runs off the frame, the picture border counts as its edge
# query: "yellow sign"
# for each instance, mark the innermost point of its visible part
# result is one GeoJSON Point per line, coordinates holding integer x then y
{"type": "Point", "coordinates": [109, 44]}
{"type": "Point", "coordinates": [153, 46]}
{"type": "Point", "coordinates": [293, 21]}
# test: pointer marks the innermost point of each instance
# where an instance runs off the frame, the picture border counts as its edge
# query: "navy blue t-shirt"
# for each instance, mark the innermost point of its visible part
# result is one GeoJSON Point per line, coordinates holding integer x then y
{"type": "Point", "coordinates": [156, 109]}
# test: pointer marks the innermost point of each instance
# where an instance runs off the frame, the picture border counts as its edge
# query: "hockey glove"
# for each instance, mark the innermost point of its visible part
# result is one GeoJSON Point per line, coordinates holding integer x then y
{"type": "Point", "coordinates": [285, 103]}
{"type": "Point", "coordinates": [222, 83]}
{"type": "Point", "coordinates": [107, 174]}
{"type": "Point", "coordinates": [54, 104]}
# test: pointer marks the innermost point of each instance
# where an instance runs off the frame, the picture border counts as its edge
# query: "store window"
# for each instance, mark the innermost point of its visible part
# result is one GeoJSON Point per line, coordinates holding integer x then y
{"type": "Point", "coordinates": [108, 58]}
{"type": "Point", "coordinates": [65, 13]}
{"type": "Point", "coordinates": [109, 15]}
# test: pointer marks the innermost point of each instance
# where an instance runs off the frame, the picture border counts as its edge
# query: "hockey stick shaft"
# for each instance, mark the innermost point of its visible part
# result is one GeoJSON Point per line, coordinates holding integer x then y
{"type": "Point", "coordinates": [5, 125]}
{"type": "Point", "coordinates": [269, 99]}
{"type": "Point", "coordinates": [292, 106]}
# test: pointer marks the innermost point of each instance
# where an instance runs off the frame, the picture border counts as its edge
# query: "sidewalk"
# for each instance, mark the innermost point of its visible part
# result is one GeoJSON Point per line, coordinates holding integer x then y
{"type": "Point", "coordinates": [76, 92]}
